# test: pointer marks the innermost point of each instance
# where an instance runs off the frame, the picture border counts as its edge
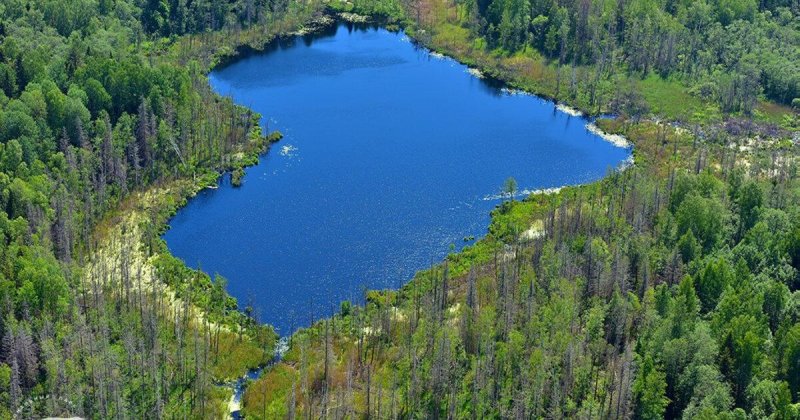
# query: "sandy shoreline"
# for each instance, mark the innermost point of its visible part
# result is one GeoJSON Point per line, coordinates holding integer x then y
{"type": "Point", "coordinates": [569, 110]}
{"type": "Point", "coordinates": [234, 405]}
{"type": "Point", "coordinates": [615, 139]}
{"type": "Point", "coordinates": [475, 72]}
{"type": "Point", "coordinates": [525, 193]}
{"type": "Point", "coordinates": [353, 17]}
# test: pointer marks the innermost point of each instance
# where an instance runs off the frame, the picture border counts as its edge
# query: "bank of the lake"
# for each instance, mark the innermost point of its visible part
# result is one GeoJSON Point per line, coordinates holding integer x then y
{"type": "Point", "coordinates": [237, 164]}
{"type": "Point", "coordinates": [391, 156]}
{"type": "Point", "coordinates": [215, 58]}
{"type": "Point", "coordinates": [649, 138]}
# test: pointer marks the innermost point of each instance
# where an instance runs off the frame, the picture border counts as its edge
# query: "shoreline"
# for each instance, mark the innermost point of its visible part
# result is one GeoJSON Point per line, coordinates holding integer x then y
{"type": "Point", "coordinates": [243, 51]}
{"type": "Point", "coordinates": [531, 233]}
{"type": "Point", "coordinates": [569, 110]}
{"type": "Point", "coordinates": [615, 139]}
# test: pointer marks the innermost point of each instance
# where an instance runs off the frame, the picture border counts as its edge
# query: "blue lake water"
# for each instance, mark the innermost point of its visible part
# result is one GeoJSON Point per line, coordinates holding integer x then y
{"type": "Point", "coordinates": [390, 155]}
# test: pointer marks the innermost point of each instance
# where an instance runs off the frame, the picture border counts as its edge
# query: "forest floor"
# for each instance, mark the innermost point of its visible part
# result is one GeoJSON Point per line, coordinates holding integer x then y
{"type": "Point", "coordinates": [127, 249]}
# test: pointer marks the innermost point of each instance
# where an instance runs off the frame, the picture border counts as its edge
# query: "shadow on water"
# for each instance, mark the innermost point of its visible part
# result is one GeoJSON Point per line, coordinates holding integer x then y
{"type": "Point", "coordinates": [490, 84]}
{"type": "Point", "coordinates": [326, 32]}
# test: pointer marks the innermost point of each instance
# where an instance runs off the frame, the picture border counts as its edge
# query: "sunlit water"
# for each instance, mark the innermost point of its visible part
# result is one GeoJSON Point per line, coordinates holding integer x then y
{"type": "Point", "coordinates": [390, 155]}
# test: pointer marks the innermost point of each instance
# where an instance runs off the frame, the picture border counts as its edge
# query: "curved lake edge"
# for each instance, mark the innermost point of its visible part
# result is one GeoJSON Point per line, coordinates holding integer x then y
{"type": "Point", "coordinates": [332, 21]}
{"type": "Point", "coordinates": [244, 51]}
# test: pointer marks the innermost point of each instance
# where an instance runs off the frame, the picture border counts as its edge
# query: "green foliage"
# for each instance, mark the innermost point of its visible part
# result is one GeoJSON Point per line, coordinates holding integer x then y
{"type": "Point", "coordinates": [688, 59]}
{"type": "Point", "coordinates": [42, 287]}
{"type": "Point", "coordinates": [712, 281]}
{"type": "Point", "coordinates": [92, 108]}
{"type": "Point", "coordinates": [790, 360]}
{"type": "Point", "coordinates": [510, 188]}
{"type": "Point", "coordinates": [388, 10]}
{"type": "Point", "coordinates": [793, 246]}
{"type": "Point", "coordinates": [750, 199]}
{"type": "Point", "coordinates": [771, 399]}
{"type": "Point", "coordinates": [689, 247]}
{"type": "Point", "coordinates": [704, 217]}
{"type": "Point", "coordinates": [648, 391]}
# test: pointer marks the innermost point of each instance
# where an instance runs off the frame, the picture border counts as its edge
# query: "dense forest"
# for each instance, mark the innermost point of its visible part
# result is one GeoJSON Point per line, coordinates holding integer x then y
{"type": "Point", "coordinates": [97, 319]}
{"type": "Point", "coordinates": [667, 290]}
{"type": "Point", "coordinates": [728, 51]}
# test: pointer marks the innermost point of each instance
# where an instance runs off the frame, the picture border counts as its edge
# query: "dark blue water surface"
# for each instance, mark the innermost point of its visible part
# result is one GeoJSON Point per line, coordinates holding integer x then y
{"type": "Point", "coordinates": [390, 155]}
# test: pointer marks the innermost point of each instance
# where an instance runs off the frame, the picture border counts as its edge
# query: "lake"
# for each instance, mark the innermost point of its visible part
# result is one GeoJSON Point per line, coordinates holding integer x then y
{"type": "Point", "coordinates": [391, 156]}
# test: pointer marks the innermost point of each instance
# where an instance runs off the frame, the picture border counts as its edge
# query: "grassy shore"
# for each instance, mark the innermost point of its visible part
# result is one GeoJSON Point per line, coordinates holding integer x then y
{"type": "Point", "coordinates": [128, 241]}
{"type": "Point", "coordinates": [438, 28]}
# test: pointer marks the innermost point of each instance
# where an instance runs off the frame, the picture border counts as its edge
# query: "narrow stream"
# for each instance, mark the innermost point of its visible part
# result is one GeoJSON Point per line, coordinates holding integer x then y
{"type": "Point", "coordinates": [238, 386]}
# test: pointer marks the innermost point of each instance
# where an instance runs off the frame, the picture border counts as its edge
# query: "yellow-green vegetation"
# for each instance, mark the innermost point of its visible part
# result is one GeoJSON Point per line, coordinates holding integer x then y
{"type": "Point", "coordinates": [273, 398]}
{"type": "Point", "coordinates": [672, 100]}
{"type": "Point", "coordinates": [234, 354]}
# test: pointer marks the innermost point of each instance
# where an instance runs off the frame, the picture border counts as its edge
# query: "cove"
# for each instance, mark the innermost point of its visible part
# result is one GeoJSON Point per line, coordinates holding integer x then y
{"type": "Point", "coordinates": [391, 155]}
